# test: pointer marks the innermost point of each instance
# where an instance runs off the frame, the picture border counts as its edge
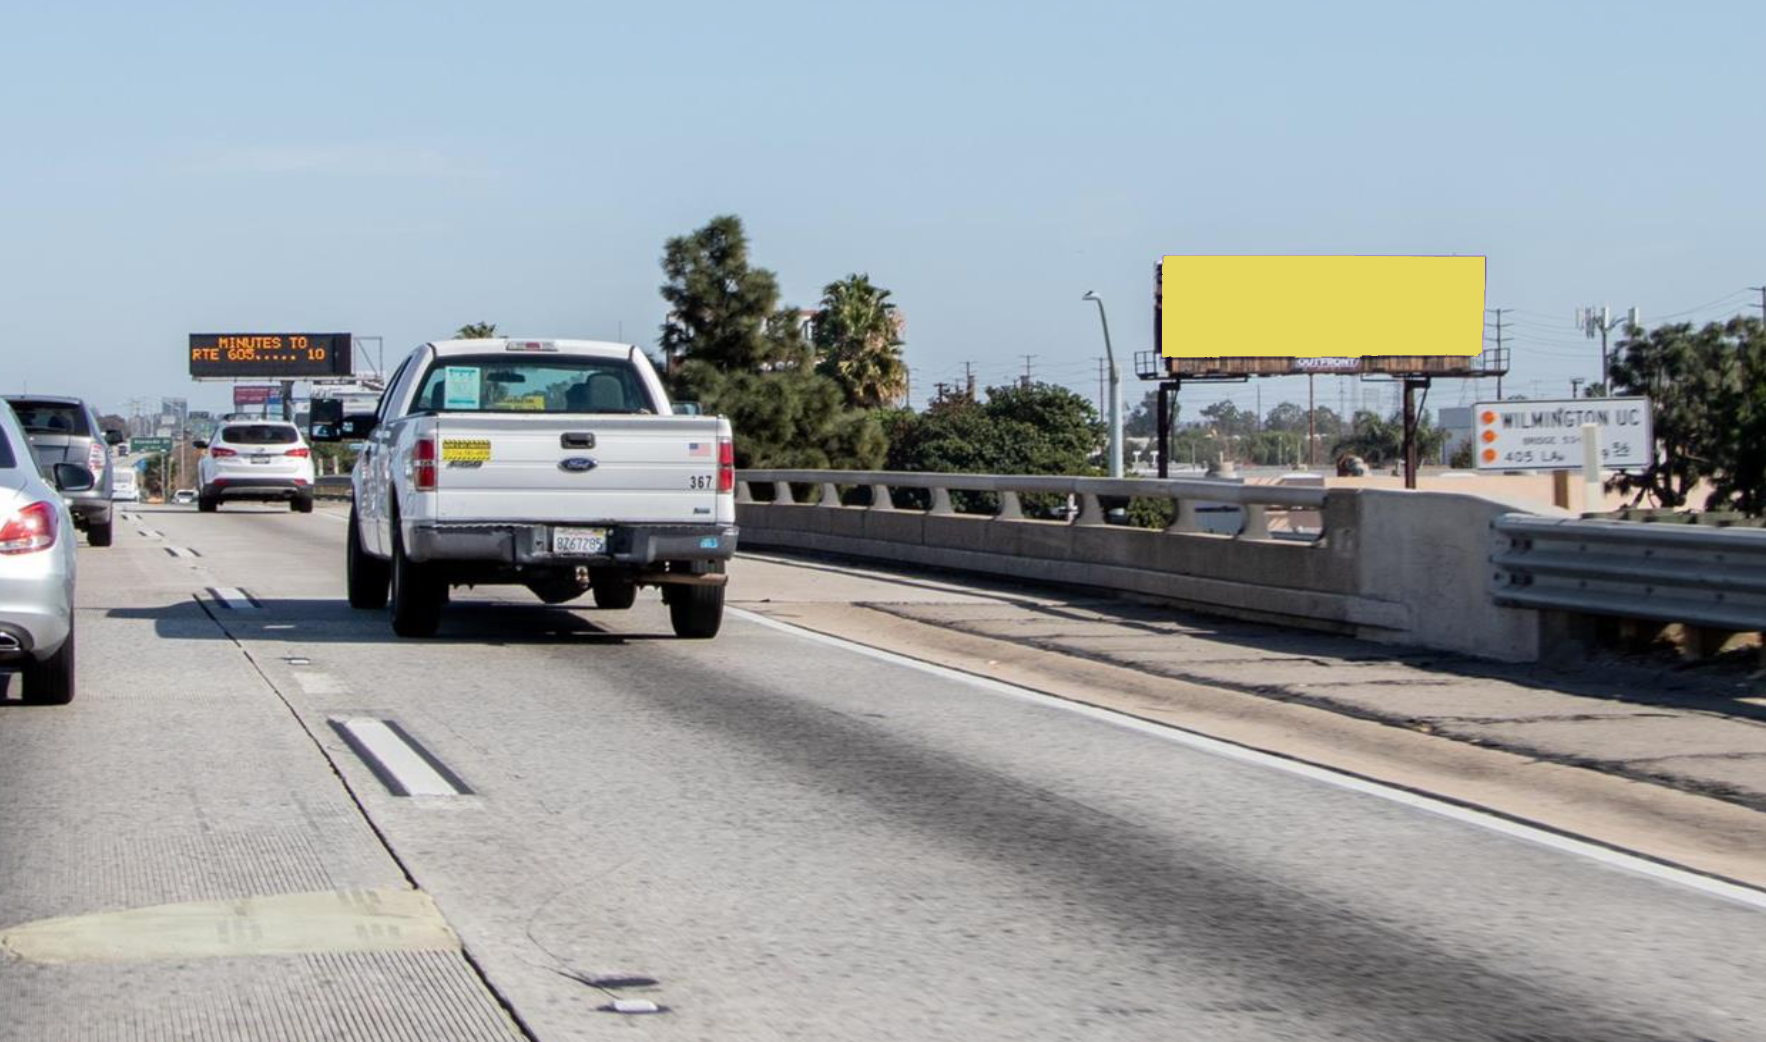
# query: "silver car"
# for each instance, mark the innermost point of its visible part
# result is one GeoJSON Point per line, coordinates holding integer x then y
{"type": "Point", "coordinates": [37, 567]}
{"type": "Point", "coordinates": [66, 430]}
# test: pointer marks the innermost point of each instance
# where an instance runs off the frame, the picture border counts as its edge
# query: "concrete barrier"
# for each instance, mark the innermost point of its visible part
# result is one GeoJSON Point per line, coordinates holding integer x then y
{"type": "Point", "coordinates": [1392, 566]}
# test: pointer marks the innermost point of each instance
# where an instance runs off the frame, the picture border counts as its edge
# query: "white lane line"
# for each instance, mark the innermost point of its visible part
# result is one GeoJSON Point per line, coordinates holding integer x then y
{"type": "Point", "coordinates": [181, 551]}
{"type": "Point", "coordinates": [233, 598]}
{"type": "Point", "coordinates": [1540, 836]}
{"type": "Point", "coordinates": [401, 764]}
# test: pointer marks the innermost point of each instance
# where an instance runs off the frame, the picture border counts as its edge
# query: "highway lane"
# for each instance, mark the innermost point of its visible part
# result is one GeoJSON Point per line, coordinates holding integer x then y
{"type": "Point", "coordinates": [794, 840]}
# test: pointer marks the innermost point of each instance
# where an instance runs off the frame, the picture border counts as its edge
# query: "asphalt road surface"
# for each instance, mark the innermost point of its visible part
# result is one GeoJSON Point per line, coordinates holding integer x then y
{"type": "Point", "coordinates": [762, 836]}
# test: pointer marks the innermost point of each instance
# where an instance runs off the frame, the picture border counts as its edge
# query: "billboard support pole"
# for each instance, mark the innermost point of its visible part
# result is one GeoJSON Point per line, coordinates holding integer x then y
{"type": "Point", "coordinates": [1167, 388]}
{"type": "Point", "coordinates": [1411, 384]}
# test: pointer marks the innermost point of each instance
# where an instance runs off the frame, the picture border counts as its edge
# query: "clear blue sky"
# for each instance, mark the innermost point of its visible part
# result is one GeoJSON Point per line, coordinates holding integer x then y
{"type": "Point", "coordinates": [400, 169]}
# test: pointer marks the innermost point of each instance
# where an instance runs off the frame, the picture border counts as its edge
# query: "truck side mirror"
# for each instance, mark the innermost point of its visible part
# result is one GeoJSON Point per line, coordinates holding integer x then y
{"type": "Point", "coordinates": [71, 477]}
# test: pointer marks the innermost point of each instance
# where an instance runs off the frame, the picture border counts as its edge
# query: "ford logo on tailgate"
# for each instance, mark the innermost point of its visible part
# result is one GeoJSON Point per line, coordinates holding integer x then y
{"type": "Point", "coordinates": [576, 464]}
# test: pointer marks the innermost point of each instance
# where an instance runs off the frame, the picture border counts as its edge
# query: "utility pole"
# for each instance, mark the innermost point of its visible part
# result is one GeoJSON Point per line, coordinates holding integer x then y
{"type": "Point", "coordinates": [1501, 359]}
{"type": "Point", "coordinates": [969, 379]}
{"type": "Point", "coordinates": [1762, 304]}
{"type": "Point", "coordinates": [1027, 361]}
{"type": "Point", "coordinates": [1576, 383]}
{"type": "Point", "coordinates": [1600, 323]}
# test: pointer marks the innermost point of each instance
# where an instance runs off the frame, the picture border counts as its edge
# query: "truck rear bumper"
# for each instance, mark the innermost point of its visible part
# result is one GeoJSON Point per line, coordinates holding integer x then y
{"type": "Point", "coordinates": [531, 543]}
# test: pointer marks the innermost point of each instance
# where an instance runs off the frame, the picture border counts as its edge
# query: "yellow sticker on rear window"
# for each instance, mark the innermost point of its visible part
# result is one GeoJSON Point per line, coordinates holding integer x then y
{"type": "Point", "coordinates": [466, 450]}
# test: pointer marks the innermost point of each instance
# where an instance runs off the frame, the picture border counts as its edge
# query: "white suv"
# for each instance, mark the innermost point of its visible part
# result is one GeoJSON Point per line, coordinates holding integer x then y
{"type": "Point", "coordinates": [262, 460]}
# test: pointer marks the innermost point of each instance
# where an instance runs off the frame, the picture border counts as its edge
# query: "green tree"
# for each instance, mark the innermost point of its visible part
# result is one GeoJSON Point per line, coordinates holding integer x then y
{"type": "Point", "coordinates": [723, 312]}
{"type": "Point", "coordinates": [1143, 420]}
{"type": "Point", "coordinates": [1040, 429]}
{"type": "Point", "coordinates": [731, 347]}
{"type": "Point", "coordinates": [1741, 457]}
{"type": "Point", "coordinates": [1380, 440]}
{"type": "Point", "coordinates": [858, 340]}
{"type": "Point", "coordinates": [1696, 383]}
{"type": "Point", "coordinates": [476, 331]}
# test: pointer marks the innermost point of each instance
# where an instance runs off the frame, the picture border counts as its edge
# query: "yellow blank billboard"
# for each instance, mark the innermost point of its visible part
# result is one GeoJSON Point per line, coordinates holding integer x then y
{"type": "Point", "coordinates": [1321, 307]}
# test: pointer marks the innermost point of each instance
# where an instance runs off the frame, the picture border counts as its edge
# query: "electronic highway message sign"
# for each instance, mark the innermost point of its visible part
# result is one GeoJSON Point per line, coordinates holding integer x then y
{"type": "Point", "coordinates": [277, 356]}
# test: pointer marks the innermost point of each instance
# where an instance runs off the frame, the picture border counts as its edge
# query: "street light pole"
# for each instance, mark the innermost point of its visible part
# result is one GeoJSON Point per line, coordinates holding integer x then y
{"type": "Point", "coordinates": [1115, 389]}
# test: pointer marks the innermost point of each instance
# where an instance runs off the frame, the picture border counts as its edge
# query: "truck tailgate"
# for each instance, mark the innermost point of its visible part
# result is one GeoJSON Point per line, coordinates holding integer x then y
{"type": "Point", "coordinates": [592, 468]}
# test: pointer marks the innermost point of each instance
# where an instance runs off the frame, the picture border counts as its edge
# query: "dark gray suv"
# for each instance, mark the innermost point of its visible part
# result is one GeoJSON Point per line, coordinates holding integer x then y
{"type": "Point", "coordinates": [66, 430]}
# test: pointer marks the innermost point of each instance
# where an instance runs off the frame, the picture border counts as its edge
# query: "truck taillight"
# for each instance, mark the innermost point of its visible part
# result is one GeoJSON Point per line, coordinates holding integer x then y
{"type": "Point", "coordinates": [423, 465]}
{"type": "Point", "coordinates": [28, 530]}
{"type": "Point", "coordinates": [726, 465]}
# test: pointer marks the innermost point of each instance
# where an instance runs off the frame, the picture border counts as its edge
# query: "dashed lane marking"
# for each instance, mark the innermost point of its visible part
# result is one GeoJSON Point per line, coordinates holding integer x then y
{"type": "Point", "coordinates": [401, 763]}
{"type": "Point", "coordinates": [181, 551]}
{"type": "Point", "coordinates": [233, 598]}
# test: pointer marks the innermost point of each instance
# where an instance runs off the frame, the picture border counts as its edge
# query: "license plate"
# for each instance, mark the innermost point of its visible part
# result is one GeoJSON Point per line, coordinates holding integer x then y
{"type": "Point", "coordinates": [579, 540]}
{"type": "Point", "coordinates": [260, 459]}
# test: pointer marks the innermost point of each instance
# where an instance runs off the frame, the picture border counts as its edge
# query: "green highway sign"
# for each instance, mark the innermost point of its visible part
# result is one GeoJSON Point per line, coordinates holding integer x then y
{"type": "Point", "coordinates": [150, 444]}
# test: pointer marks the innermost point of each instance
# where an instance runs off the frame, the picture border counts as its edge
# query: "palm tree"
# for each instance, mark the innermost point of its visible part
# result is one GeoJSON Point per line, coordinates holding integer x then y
{"type": "Point", "coordinates": [476, 331]}
{"type": "Point", "coordinates": [858, 336]}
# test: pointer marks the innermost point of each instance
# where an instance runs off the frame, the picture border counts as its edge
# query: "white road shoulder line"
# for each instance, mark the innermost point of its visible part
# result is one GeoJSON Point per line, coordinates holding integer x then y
{"type": "Point", "coordinates": [402, 765]}
{"type": "Point", "coordinates": [1634, 863]}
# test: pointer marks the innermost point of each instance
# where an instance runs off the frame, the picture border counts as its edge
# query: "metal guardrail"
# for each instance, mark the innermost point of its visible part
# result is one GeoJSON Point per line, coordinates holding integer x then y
{"type": "Point", "coordinates": [1188, 495]}
{"type": "Point", "coordinates": [1712, 577]}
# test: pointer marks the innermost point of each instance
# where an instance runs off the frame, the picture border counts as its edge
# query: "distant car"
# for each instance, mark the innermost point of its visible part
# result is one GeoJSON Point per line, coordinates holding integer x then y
{"type": "Point", "coordinates": [184, 495]}
{"type": "Point", "coordinates": [261, 460]}
{"type": "Point", "coordinates": [66, 430]}
{"type": "Point", "coordinates": [123, 488]}
{"type": "Point", "coordinates": [37, 566]}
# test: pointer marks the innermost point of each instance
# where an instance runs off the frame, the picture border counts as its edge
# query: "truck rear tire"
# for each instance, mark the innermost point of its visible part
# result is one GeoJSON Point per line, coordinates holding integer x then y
{"type": "Point", "coordinates": [417, 595]}
{"type": "Point", "coordinates": [614, 592]}
{"type": "Point", "coordinates": [365, 575]}
{"type": "Point", "coordinates": [696, 612]}
{"type": "Point", "coordinates": [50, 681]}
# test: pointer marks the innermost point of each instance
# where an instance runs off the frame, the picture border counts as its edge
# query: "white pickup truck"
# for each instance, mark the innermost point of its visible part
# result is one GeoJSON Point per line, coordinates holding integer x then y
{"type": "Point", "coordinates": [558, 465]}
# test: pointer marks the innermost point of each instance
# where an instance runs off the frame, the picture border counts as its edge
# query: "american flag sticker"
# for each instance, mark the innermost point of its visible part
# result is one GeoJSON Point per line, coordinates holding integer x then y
{"type": "Point", "coordinates": [699, 448]}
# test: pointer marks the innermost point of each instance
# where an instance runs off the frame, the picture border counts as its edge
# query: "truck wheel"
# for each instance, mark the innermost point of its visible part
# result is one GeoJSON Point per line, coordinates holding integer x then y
{"type": "Point", "coordinates": [696, 612]}
{"type": "Point", "coordinates": [301, 504]}
{"type": "Point", "coordinates": [100, 534]}
{"type": "Point", "coordinates": [50, 681]}
{"type": "Point", "coordinates": [417, 596]}
{"type": "Point", "coordinates": [613, 592]}
{"type": "Point", "coordinates": [365, 574]}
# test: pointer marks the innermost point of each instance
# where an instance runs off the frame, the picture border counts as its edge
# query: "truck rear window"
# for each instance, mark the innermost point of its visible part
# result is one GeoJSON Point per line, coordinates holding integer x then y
{"type": "Point", "coordinates": [499, 383]}
{"type": "Point", "coordinates": [38, 417]}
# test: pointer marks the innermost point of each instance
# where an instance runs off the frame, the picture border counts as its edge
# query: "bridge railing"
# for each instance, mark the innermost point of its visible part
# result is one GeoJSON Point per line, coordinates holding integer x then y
{"type": "Point", "coordinates": [1190, 499]}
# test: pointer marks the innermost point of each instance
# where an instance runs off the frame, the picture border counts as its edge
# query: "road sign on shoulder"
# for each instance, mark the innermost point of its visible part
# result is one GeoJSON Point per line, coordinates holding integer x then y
{"type": "Point", "coordinates": [150, 444]}
{"type": "Point", "coordinates": [1547, 435]}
